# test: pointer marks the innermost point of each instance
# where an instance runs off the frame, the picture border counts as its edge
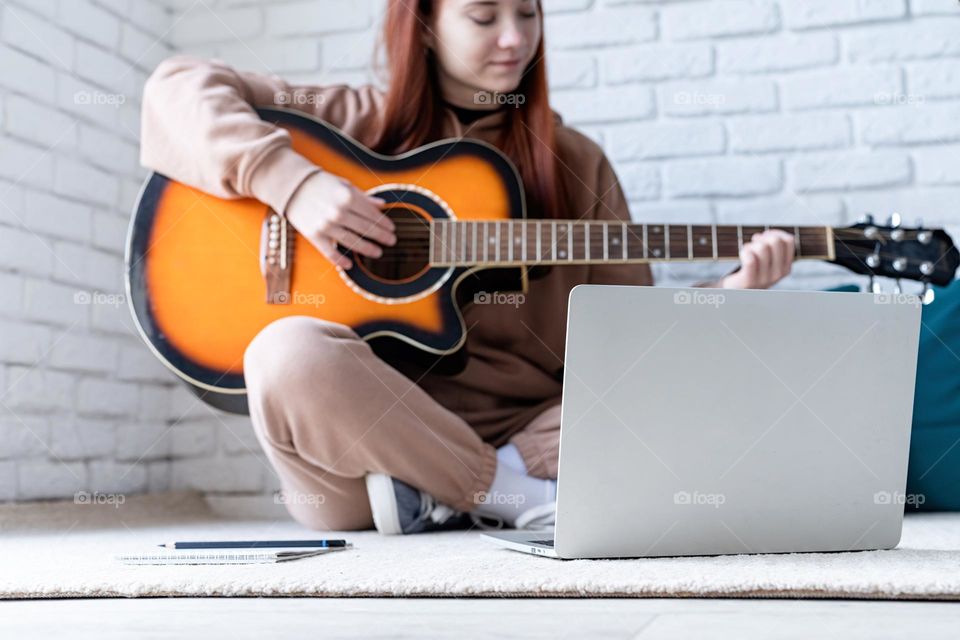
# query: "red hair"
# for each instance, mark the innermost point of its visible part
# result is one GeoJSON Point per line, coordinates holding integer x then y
{"type": "Point", "coordinates": [413, 112]}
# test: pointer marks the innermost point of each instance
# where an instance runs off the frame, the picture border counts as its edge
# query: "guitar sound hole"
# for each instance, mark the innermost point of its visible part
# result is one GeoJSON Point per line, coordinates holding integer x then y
{"type": "Point", "coordinates": [409, 257]}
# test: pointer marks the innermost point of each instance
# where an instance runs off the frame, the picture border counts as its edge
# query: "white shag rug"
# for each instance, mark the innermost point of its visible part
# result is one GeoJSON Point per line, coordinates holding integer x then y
{"type": "Point", "coordinates": [61, 550]}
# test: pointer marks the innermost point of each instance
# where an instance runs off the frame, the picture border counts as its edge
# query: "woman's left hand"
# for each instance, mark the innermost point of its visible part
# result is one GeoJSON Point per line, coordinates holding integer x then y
{"type": "Point", "coordinates": [764, 261]}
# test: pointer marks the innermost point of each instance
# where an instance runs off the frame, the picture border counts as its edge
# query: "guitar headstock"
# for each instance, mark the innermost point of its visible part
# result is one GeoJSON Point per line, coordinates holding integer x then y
{"type": "Point", "coordinates": [895, 251]}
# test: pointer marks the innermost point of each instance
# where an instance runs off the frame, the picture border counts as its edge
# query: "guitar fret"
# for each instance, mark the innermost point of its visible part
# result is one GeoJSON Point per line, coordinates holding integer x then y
{"type": "Point", "coordinates": [554, 243]}
{"type": "Point", "coordinates": [521, 241]}
{"type": "Point", "coordinates": [713, 233]}
{"type": "Point", "coordinates": [570, 241]}
{"type": "Point", "coordinates": [623, 239]}
{"type": "Point", "coordinates": [666, 241]}
{"type": "Point", "coordinates": [523, 231]}
{"type": "Point", "coordinates": [516, 241]}
{"type": "Point", "coordinates": [690, 241]}
{"type": "Point", "coordinates": [739, 238]}
{"type": "Point", "coordinates": [441, 243]}
{"type": "Point", "coordinates": [453, 242]}
{"type": "Point", "coordinates": [442, 249]}
{"type": "Point", "coordinates": [796, 234]}
{"type": "Point", "coordinates": [445, 249]}
{"type": "Point", "coordinates": [586, 241]}
{"type": "Point", "coordinates": [606, 246]}
{"type": "Point", "coordinates": [463, 243]}
{"type": "Point", "coordinates": [497, 233]}
{"type": "Point", "coordinates": [473, 225]}
{"type": "Point", "coordinates": [539, 243]}
{"type": "Point", "coordinates": [457, 242]}
{"type": "Point", "coordinates": [486, 243]}
{"type": "Point", "coordinates": [645, 246]}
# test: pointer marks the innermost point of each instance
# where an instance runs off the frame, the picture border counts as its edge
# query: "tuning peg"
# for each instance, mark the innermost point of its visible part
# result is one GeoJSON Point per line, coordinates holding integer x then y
{"type": "Point", "coordinates": [927, 295]}
{"type": "Point", "coordinates": [896, 286]}
{"type": "Point", "coordinates": [873, 260]}
{"type": "Point", "coordinates": [894, 222]}
{"type": "Point", "coordinates": [874, 286]}
{"type": "Point", "coordinates": [866, 218]}
{"type": "Point", "coordinates": [923, 235]}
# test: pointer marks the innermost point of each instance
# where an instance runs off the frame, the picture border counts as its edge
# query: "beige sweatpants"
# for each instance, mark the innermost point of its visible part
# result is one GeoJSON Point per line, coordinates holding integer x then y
{"type": "Point", "coordinates": [327, 411]}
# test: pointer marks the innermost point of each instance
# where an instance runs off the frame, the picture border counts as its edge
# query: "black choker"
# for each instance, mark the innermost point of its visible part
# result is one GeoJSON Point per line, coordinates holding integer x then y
{"type": "Point", "coordinates": [466, 116]}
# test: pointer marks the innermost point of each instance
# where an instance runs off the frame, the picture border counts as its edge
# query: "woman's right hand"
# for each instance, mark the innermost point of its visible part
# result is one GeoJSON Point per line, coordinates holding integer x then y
{"type": "Point", "coordinates": [329, 210]}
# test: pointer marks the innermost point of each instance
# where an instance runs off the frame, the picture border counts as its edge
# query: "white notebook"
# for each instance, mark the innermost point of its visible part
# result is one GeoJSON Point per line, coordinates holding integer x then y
{"type": "Point", "coordinates": [221, 556]}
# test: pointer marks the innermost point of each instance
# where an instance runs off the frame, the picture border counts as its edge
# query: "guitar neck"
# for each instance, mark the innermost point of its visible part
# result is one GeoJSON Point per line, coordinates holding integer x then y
{"type": "Point", "coordinates": [549, 242]}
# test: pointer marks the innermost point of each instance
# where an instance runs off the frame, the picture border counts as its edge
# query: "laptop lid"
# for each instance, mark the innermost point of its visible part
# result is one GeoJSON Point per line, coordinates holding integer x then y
{"type": "Point", "coordinates": [713, 421]}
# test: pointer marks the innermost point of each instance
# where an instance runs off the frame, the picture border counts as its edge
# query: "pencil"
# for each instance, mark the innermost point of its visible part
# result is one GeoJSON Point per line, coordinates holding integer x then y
{"type": "Point", "coordinates": [253, 544]}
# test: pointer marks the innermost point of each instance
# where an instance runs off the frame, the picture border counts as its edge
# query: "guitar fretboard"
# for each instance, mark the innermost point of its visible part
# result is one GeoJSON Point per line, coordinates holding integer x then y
{"type": "Point", "coordinates": [547, 241]}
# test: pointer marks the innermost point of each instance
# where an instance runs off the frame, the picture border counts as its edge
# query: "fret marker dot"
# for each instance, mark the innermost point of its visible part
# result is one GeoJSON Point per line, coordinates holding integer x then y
{"type": "Point", "coordinates": [563, 254]}
{"type": "Point", "coordinates": [492, 240]}
{"type": "Point", "coordinates": [656, 252]}
{"type": "Point", "coordinates": [616, 241]}
{"type": "Point", "coordinates": [703, 241]}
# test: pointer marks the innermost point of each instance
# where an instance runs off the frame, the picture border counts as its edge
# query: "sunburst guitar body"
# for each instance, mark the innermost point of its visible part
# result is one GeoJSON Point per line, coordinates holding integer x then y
{"type": "Point", "coordinates": [197, 265]}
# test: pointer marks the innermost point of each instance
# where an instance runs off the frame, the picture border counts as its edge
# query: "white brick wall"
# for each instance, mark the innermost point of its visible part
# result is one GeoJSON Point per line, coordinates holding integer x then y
{"type": "Point", "coordinates": [751, 111]}
{"type": "Point", "coordinates": [83, 405]}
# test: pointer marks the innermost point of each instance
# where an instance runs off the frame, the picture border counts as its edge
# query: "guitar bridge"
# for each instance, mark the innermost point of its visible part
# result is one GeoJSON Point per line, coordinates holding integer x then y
{"type": "Point", "coordinates": [276, 257]}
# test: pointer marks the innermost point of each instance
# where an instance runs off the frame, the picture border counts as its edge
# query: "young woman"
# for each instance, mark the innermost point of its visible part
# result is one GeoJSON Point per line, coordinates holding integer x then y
{"type": "Point", "coordinates": [357, 442]}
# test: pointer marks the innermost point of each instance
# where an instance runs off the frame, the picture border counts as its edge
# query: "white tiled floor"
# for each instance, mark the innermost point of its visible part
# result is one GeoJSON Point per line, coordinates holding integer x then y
{"type": "Point", "coordinates": [215, 618]}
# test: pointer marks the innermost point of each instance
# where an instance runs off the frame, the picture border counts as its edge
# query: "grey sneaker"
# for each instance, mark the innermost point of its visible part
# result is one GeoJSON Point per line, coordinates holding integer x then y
{"type": "Point", "coordinates": [399, 508]}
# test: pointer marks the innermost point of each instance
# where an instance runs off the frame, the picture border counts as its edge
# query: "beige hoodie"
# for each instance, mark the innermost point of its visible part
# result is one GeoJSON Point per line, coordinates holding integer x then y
{"type": "Point", "coordinates": [199, 128]}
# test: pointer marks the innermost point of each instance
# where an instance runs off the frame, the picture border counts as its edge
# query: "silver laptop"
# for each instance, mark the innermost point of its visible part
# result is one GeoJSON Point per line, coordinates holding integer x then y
{"type": "Point", "coordinates": [714, 421]}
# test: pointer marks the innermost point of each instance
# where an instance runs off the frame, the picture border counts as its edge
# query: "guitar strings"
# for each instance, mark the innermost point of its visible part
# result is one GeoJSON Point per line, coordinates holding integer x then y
{"type": "Point", "coordinates": [721, 229]}
{"type": "Point", "coordinates": [426, 233]}
{"type": "Point", "coordinates": [426, 238]}
{"type": "Point", "coordinates": [415, 242]}
{"type": "Point", "coordinates": [417, 245]}
{"type": "Point", "coordinates": [406, 257]}
{"type": "Point", "coordinates": [423, 240]}
{"type": "Point", "coordinates": [412, 235]}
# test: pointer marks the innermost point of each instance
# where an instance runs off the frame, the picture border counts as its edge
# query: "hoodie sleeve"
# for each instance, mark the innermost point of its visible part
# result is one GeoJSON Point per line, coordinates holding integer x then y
{"type": "Point", "coordinates": [199, 127]}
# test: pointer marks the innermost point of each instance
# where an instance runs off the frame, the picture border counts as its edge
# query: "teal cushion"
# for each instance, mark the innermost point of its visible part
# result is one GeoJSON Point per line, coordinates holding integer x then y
{"type": "Point", "coordinates": [934, 471]}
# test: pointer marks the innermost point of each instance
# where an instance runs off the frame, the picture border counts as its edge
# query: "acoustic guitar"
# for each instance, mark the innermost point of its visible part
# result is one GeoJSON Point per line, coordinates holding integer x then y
{"type": "Point", "coordinates": [204, 275]}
